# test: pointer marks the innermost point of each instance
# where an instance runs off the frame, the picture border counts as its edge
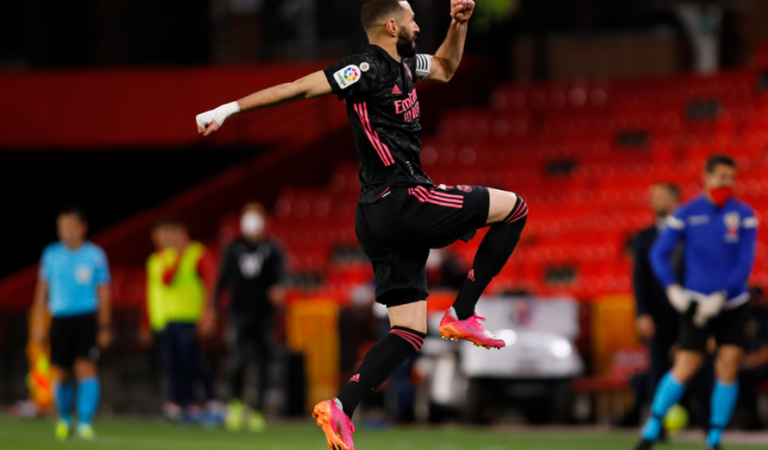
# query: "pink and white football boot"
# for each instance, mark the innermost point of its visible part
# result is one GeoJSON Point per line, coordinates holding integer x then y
{"type": "Point", "coordinates": [470, 329]}
{"type": "Point", "coordinates": [338, 428]}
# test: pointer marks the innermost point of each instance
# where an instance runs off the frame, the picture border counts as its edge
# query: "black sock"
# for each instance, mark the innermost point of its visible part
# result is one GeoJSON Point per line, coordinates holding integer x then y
{"type": "Point", "coordinates": [494, 251]}
{"type": "Point", "coordinates": [379, 363]}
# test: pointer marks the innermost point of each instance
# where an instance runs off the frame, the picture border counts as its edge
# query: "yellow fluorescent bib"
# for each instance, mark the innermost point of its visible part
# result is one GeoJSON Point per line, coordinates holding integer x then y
{"type": "Point", "coordinates": [183, 299]}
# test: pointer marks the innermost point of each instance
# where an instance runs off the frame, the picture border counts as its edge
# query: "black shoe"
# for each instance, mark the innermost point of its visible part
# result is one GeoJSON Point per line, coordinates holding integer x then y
{"type": "Point", "coordinates": [644, 444]}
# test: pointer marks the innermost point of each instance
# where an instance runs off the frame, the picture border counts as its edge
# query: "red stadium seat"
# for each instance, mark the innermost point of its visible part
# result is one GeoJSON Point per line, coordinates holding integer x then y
{"type": "Point", "coordinates": [582, 216]}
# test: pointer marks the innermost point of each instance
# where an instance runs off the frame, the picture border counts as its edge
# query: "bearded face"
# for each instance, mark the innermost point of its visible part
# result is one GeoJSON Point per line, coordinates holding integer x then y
{"type": "Point", "coordinates": [406, 43]}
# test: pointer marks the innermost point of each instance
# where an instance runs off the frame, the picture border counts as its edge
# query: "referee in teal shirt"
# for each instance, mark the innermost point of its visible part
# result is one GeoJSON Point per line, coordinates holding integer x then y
{"type": "Point", "coordinates": [73, 284]}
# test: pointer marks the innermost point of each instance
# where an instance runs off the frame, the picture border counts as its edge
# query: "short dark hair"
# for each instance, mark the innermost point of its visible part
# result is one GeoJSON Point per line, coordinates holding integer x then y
{"type": "Point", "coordinates": [75, 211]}
{"type": "Point", "coordinates": [169, 221]}
{"type": "Point", "coordinates": [716, 160]}
{"type": "Point", "coordinates": [254, 206]}
{"type": "Point", "coordinates": [673, 189]}
{"type": "Point", "coordinates": [373, 10]}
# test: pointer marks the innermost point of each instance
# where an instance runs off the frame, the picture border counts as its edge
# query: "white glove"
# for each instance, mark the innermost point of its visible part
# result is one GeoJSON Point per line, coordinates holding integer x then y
{"type": "Point", "coordinates": [708, 308]}
{"type": "Point", "coordinates": [219, 114]}
{"type": "Point", "coordinates": [679, 298]}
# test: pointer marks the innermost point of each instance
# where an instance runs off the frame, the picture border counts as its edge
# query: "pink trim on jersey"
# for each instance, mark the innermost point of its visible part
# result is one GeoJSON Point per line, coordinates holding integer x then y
{"type": "Point", "coordinates": [413, 339]}
{"type": "Point", "coordinates": [358, 110]}
{"type": "Point", "coordinates": [361, 108]}
{"type": "Point", "coordinates": [376, 135]}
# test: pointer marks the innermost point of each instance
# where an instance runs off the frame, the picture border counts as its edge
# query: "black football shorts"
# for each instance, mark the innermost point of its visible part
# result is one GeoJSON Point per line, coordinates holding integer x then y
{"type": "Point", "coordinates": [73, 338]}
{"type": "Point", "coordinates": [399, 229]}
{"type": "Point", "coordinates": [728, 328]}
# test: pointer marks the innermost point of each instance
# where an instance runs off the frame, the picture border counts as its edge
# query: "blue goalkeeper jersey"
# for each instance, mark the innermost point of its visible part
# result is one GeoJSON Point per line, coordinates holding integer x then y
{"type": "Point", "coordinates": [720, 248]}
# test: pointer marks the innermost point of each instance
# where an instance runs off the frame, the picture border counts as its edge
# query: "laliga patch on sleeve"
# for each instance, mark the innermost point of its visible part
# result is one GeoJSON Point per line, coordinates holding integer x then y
{"type": "Point", "coordinates": [347, 76]}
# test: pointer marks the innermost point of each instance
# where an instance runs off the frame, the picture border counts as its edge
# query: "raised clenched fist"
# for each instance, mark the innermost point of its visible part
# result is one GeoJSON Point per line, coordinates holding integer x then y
{"type": "Point", "coordinates": [461, 10]}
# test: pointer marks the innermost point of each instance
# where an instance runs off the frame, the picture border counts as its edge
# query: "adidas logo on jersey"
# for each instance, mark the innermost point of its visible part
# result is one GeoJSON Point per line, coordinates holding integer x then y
{"type": "Point", "coordinates": [355, 378]}
{"type": "Point", "coordinates": [396, 91]}
{"type": "Point", "coordinates": [471, 275]}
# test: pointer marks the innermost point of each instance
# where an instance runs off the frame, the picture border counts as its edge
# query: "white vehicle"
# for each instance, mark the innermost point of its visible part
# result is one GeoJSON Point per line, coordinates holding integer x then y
{"type": "Point", "coordinates": [533, 373]}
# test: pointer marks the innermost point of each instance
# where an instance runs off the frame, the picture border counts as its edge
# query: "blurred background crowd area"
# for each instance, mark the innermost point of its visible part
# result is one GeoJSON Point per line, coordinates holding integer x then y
{"type": "Point", "coordinates": [526, 38]}
{"type": "Point", "coordinates": [578, 106]}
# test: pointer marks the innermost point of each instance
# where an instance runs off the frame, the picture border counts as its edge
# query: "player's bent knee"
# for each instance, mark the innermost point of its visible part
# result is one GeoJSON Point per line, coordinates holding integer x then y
{"type": "Point", "coordinates": [501, 204]}
{"type": "Point", "coordinates": [518, 216]}
{"type": "Point", "coordinates": [506, 207]}
{"type": "Point", "coordinates": [413, 337]}
{"type": "Point", "coordinates": [412, 316]}
{"type": "Point", "coordinates": [415, 325]}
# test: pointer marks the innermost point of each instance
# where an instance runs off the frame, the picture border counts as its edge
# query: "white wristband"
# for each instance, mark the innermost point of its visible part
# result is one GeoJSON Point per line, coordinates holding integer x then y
{"type": "Point", "coordinates": [219, 114]}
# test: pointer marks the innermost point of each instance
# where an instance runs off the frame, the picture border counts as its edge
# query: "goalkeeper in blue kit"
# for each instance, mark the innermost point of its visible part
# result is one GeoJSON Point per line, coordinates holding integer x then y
{"type": "Point", "coordinates": [720, 236]}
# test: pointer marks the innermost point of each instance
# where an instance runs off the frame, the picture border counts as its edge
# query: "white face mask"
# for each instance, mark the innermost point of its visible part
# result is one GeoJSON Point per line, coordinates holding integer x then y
{"type": "Point", "coordinates": [252, 224]}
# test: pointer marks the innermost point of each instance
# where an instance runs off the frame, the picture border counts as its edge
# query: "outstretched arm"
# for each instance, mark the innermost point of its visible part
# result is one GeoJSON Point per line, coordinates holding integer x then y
{"type": "Point", "coordinates": [448, 57]}
{"type": "Point", "coordinates": [312, 86]}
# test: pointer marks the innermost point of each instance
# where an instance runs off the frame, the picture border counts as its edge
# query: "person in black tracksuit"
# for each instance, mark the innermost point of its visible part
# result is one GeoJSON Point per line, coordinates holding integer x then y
{"type": "Point", "coordinates": [252, 266]}
{"type": "Point", "coordinates": [754, 368]}
{"type": "Point", "coordinates": [657, 321]}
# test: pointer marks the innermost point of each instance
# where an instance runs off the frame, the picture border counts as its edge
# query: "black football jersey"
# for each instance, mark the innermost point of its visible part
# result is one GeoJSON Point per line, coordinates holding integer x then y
{"type": "Point", "coordinates": [384, 112]}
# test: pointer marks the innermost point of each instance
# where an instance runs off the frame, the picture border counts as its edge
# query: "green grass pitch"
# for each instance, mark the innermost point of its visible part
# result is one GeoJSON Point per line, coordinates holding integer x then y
{"type": "Point", "coordinates": [147, 435]}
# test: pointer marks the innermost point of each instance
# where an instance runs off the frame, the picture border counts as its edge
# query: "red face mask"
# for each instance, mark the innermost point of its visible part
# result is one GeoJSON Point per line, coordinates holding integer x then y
{"type": "Point", "coordinates": [721, 195]}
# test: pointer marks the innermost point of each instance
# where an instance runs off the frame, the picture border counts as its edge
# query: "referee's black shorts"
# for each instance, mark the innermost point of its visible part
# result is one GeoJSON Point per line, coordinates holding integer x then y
{"type": "Point", "coordinates": [728, 328]}
{"type": "Point", "coordinates": [73, 338]}
{"type": "Point", "coordinates": [398, 230]}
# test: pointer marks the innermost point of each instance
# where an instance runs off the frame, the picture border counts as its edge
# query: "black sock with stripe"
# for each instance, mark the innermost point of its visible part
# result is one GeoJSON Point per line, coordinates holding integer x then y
{"type": "Point", "coordinates": [379, 363]}
{"type": "Point", "coordinates": [494, 251]}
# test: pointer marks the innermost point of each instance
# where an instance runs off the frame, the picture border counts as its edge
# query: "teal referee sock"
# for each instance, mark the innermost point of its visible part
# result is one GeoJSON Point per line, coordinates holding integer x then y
{"type": "Point", "coordinates": [88, 392]}
{"type": "Point", "coordinates": [65, 394]}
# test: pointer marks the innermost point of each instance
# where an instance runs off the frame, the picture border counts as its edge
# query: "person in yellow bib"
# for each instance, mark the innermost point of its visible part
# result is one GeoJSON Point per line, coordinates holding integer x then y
{"type": "Point", "coordinates": [180, 274]}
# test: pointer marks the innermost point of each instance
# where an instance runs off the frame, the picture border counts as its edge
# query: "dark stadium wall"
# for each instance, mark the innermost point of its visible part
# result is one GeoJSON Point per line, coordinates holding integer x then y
{"type": "Point", "coordinates": [303, 142]}
{"type": "Point", "coordinates": [109, 185]}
